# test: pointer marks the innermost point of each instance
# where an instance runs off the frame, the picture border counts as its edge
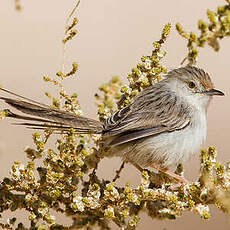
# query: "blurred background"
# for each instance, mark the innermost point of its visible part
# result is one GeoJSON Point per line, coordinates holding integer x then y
{"type": "Point", "coordinates": [113, 35]}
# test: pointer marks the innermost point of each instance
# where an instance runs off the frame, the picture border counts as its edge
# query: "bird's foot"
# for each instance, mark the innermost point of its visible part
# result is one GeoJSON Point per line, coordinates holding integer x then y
{"type": "Point", "coordinates": [179, 178]}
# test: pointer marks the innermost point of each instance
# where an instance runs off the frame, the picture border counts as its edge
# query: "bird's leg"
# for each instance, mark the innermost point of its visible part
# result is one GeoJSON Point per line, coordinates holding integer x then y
{"type": "Point", "coordinates": [165, 171]}
{"type": "Point", "coordinates": [137, 166]}
{"type": "Point", "coordinates": [181, 179]}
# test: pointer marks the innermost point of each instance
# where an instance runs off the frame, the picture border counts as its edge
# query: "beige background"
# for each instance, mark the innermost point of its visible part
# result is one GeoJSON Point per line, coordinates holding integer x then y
{"type": "Point", "coordinates": [114, 34]}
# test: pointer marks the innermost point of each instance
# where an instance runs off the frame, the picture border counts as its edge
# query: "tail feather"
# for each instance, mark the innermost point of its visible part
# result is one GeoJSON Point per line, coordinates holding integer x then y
{"type": "Point", "coordinates": [54, 127]}
{"type": "Point", "coordinates": [22, 97]}
{"type": "Point", "coordinates": [56, 118]}
{"type": "Point", "coordinates": [25, 118]}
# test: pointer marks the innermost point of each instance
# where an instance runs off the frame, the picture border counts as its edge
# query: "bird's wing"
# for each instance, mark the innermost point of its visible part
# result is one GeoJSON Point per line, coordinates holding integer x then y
{"type": "Point", "coordinates": [150, 114]}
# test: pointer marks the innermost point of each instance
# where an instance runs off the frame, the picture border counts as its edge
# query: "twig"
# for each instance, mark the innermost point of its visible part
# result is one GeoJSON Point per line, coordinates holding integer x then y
{"type": "Point", "coordinates": [119, 171]}
{"type": "Point", "coordinates": [65, 33]}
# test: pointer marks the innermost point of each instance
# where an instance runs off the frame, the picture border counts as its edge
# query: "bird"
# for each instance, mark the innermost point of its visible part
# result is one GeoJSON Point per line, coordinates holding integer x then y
{"type": "Point", "coordinates": [164, 125]}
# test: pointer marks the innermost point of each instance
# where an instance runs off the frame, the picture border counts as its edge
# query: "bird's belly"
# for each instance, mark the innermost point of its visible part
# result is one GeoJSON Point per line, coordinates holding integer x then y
{"type": "Point", "coordinates": [166, 149]}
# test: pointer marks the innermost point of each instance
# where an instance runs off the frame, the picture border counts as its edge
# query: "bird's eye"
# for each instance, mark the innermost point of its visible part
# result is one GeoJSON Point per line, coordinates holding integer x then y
{"type": "Point", "coordinates": [191, 85]}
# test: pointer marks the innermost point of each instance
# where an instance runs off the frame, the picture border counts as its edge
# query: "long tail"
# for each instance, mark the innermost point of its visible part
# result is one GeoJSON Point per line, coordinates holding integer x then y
{"type": "Point", "coordinates": [42, 116]}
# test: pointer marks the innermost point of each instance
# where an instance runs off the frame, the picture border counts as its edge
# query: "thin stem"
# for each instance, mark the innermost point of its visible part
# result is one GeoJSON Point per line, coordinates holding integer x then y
{"type": "Point", "coordinates": [65, 33]}
{"type": "Point", "coordinates": [119, 171]}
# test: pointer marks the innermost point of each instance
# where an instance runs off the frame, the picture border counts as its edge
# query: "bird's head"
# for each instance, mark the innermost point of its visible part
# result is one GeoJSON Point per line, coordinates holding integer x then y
{"type": "Point", "coordinates": [194, 84]}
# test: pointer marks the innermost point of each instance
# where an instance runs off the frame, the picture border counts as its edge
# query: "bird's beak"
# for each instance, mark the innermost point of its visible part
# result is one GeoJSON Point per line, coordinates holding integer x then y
{"type": "Point", "coordinates": [213, 92]}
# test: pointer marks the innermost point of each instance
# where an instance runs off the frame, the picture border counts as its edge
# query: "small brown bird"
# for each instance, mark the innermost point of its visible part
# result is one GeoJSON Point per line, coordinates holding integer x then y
{"type": "Point", "coordinates": [164, 125]}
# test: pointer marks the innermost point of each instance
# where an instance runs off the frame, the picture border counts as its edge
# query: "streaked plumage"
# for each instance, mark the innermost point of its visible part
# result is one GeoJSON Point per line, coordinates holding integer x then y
{"type": "Point", "coordinates": [164, 125]}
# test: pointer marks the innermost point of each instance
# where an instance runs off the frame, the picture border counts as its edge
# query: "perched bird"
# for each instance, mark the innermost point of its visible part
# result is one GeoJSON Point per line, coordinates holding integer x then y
{"type": "Point", "coordinates": [164, 125]}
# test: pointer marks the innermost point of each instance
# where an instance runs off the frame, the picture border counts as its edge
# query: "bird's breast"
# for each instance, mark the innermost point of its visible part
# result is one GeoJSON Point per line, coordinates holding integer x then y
{"type": "Point", "coordinates": [170, 148]}
{"type": "Point", "coordinates": [186, 142]}
{"type": "Point", "coordinates": [180, 145]}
